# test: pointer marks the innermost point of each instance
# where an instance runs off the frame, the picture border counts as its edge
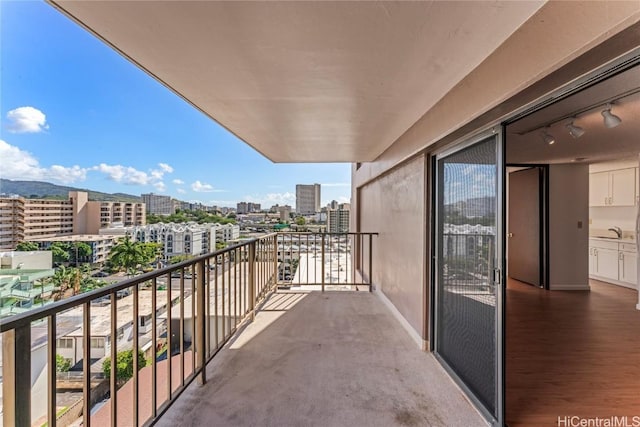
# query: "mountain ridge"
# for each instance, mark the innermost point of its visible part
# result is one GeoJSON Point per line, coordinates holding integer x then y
{"type": "Point", "coordinates": [43, 189]}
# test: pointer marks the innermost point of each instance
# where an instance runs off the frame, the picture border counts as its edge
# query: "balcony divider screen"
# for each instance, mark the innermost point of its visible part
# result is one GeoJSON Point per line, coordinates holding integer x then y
{"type": "Point", "coordinates": [468, 302]}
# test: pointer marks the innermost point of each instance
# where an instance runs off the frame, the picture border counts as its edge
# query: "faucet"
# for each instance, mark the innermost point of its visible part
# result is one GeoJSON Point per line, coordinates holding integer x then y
{"type": "Point", "coordinates": [617, 230]}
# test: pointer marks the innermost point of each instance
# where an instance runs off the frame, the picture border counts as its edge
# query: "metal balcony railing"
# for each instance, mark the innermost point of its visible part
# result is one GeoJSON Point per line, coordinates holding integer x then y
{"type": "Point", "coordinates": [179, 317]}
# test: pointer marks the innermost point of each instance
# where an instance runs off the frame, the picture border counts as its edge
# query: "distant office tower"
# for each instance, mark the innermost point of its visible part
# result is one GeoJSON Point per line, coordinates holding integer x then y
{"type": "Point", "coordinates": [242, 208]}
{"type": "Point", "coordinates": [157, 204]}
{"type": "Point", "coordinates": [338, 219]}
{"type": "Point", "coordinates": [247, 207]}
{"type": "Point", "coordinates": [307, 199]}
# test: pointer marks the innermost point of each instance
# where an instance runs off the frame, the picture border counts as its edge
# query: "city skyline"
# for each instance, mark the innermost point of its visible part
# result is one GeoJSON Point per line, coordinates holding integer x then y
{"type": "Point", "coordinates": [74, 112]}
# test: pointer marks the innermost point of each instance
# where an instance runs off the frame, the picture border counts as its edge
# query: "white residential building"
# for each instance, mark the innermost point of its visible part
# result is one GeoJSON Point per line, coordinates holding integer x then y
{"type": "Point", "coordinates": [224, 233]}
{"type": "Point", "coordinates": [176, 239]}
{"type": "Point", "coordinates": [100, 245]}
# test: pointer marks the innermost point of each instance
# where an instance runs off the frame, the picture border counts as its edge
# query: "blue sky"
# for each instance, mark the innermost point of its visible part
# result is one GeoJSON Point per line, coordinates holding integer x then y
{"type": "Point", "coordinates": [74, 112]}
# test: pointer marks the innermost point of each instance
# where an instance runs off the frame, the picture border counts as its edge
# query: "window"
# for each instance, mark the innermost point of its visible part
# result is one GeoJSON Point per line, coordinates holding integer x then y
{"type": "Point", "coordinates": [97, 342]}
{"type": "Point", "coordinates": [65, 343]}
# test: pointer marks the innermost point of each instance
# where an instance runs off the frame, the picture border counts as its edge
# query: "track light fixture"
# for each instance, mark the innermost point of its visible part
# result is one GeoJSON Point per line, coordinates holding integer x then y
{"type": "Point", "coordinates": [547, 137]}
{"type": "Point", "coordinates": [574, 131]}
{"type": "Point", "coordinates": [604, 106]}
{"type": "Point", "coordinates": [610, 119]}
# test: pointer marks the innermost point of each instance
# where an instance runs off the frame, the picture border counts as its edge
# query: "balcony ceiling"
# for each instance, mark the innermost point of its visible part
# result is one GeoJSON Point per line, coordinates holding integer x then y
{"type": "Point", "coordinates": [307, 81]}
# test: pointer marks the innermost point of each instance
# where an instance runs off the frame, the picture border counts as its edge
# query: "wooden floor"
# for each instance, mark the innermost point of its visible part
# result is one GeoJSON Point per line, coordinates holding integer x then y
{"type": "Point", "coordinates": [571, 353]}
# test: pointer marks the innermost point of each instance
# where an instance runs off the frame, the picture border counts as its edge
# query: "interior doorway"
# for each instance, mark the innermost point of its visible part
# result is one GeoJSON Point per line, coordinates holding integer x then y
{"type": "Point", "coordinates": [526, 224]}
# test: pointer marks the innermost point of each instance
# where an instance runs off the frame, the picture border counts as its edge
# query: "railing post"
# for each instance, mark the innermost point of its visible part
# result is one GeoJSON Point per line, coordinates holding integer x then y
{"type": "Point", "coordinates": [274, 253]}
{"type": "Point", "coordinates": [252, 279]}
{"type": "Point", "coordinates": [370, 262]}
{"type": "Point", "coordinates": [322, 262]}
{"type": "Point", "coordinates": [201, 322]}
{"type": "Point", "coordinates": [16, 376]}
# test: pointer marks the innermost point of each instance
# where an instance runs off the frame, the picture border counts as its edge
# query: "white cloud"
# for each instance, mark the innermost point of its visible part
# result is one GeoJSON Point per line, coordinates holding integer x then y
{"type": "Point", "coordinates": [26, 120]}
{"type": "Point", "coordinates": [18, 164]}
{"type": "Point", "coordinates": [201, 188]}
{"type": "Point", "coordinates": [66, 174]}
{"type": "Point", "coordinates": [165, 167]}
{"type": "Point", "coordinates": [181, 191]}
{"type": "Point", "coordinates": [178, 181]}
{"type": "Point", "coordinates": [124, 174]}
{"type": "Point", "coordinates": [158, 174]}
{"type": "Point", "coordinates": [132, 176]}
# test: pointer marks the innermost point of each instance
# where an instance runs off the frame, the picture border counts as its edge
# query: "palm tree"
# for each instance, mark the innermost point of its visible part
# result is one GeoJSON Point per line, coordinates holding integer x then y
{"type": "Point", "coordinates": [62, 280]}
{"type": "Point", "coordinates": [127, 254]}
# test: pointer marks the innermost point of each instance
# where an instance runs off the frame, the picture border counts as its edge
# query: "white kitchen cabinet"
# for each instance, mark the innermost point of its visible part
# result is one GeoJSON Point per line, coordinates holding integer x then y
{"type": "Point", "coordinates": [607, 263]}
{"type": "Point", "coordinates": [613, 188]}
{"type": "Point", "coordinates": [628, 268]}
{"type": "Point", "coordinates": [593, 261]}
{"type": "Point", "coordinates": [623, 187]}
{"type": "Point", "coordinates": [599, 189]}
{"type": "Point", "coordinates": [613, 261]}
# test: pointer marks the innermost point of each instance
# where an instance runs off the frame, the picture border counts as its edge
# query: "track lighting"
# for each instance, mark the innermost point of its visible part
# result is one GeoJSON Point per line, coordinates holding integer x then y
{"type": "Point", "coordinates": [547, 137]}
{"type": "Point", "coordinates": [604, 106]}
{"type": "Point", "coordinates": [574, 131]}
{"type": "Point", "coordinates": [610, 119]}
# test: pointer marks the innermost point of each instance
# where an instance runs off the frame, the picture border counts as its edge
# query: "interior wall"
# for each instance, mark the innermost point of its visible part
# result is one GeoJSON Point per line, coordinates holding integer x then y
{"type": "Point", "coordinates": [569, 227]}
{"type": "Point", "coordinates": [393, 206]}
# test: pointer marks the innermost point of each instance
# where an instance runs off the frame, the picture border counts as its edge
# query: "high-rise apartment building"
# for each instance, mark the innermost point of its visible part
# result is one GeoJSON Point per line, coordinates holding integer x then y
{"type": "Point", "coordinates": [307, 199]}
{"type": "Point", "coordinates": [33, 219]}
{"type": "Point", "coordinates": [247, 207]}
{"type": "Point", "coordinates": [157, 204]}
{"type": "Point", "coordinates": [11, 221]}
{"type": "Point", "coordinates": [338, 219]}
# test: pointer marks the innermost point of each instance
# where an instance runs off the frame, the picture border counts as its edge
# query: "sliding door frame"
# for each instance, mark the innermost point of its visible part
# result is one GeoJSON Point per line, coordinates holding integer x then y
{"type": "Point", "coordinates": [498, 132]}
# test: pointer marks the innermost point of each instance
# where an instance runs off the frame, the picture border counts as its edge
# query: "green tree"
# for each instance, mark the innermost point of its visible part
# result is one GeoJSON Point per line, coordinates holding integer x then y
{"type": "Point", "coordinates": [79, 250]}
{"type": "Point", "coordinates": [62, 281]}
{"type": "Point", "coordinates": [220, 245]}
{"type": "Point", "coordinates": [60, 252]}
{"type": "Point", "coordinates": [127, 254]}
{"type": "Point", "coordinates": [27, 246]}
{"type": "Point", "coordinates": [179, 258]}
{"type": "Point", "coordinates": [300, 220]}
{"type": "Point", "coordinates": [124, 365]}
{"type": "Point", "coordinates": [62, 363]}
{"type": "Point", "coordinates": [151, 252]}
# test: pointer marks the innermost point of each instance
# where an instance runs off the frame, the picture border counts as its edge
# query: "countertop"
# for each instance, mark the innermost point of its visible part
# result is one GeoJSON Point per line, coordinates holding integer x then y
{"type": "Point", "coordinates": [609, 239]}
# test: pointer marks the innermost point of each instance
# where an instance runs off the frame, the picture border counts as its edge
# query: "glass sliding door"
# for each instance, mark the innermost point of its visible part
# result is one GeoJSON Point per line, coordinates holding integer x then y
{"type": "Point", "coordinates": [468, 262]}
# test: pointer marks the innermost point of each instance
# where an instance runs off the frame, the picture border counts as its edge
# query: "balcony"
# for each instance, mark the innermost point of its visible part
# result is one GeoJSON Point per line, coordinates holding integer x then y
{"type": "Point", "coordinates": [299, 341]}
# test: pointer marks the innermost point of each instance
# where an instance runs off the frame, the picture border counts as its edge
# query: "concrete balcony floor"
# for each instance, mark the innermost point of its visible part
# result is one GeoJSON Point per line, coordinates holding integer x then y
{"type": "Point", "coordinates": [332, 359]}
